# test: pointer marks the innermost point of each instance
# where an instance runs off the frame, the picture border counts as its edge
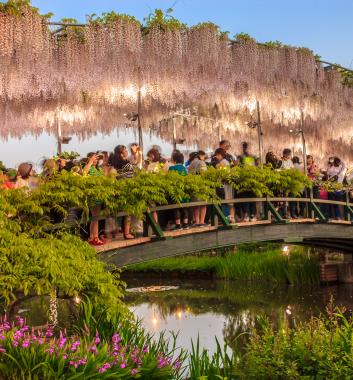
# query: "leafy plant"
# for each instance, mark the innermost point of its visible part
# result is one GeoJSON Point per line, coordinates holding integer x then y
{"type": "Point", "coordinates": [34, 259]}
{"type": "Point", "coordinates": [320, 348]}
{"type": "Point", "coordinates": [68, 155]}
{"type": "Point", "coordinates": [111, 17]}
{"type": "Point", "coordinates": [244, 37]}
{"type": "Point", "coordinates": [305, 50]}
{"type": "Point", "coordinates": [163, 20]}
{"type": "Point", "coordinates": [272, 44]}
{"type": "Point", "coordinates": [16, 7]}
{"type": "Point", "coordinates": [347, 76]}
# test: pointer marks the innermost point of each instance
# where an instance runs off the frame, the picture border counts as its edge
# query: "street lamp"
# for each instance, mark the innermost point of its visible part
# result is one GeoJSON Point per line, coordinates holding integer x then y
{"type": "Point", "coordinates": [61, 139]}
{"type": "Point", "coordinates": [300, 132]}
{"type": "Point", "coordinates": [136, 116]}
{"type": "Point", "coordinates": [257, 125]}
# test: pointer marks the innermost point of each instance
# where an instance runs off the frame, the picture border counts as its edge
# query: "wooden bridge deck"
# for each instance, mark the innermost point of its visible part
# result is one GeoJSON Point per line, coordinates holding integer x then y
{"type": "Point", "coordinates": [335, 234]}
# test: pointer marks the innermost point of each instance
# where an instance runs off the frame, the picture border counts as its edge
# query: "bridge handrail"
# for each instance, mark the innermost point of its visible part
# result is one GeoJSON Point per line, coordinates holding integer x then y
{"type": "Point", "coordinates": [175, 206]}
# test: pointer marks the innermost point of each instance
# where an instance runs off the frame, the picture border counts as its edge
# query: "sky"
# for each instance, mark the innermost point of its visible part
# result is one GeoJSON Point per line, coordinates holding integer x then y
{"type": "Point", "coordinates": [325, 26]}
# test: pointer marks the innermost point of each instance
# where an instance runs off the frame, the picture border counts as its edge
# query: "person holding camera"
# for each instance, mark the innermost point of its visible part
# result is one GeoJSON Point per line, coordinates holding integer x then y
{"type": "Point", "coordinates": [92, 169]}
{"type": "Point", "coordinates": [136, 157]}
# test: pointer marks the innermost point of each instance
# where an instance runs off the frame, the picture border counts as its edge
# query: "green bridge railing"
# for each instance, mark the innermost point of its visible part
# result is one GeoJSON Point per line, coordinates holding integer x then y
{"type": "Point", "coordinates": [269, 212]}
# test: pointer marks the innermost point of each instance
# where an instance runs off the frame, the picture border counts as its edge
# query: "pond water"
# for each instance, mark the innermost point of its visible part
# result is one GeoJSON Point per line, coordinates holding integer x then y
{"type": "Point", "coordinates": [204, 309]}
{"type": "Point", "coordinates": [223, 309]}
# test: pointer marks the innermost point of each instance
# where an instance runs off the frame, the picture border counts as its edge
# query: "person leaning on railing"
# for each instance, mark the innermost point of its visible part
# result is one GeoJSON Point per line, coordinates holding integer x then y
{"type": "Point", "coordinates": [313, 172]}
{"type": "Point", "coordinates": [126, 169]}
{"type": "Point", "coordinates": [335, 172]}
{"type": "Point", "coordinates": [287, 163]}
{"type": "Point", "coordinates": [92, 169]}
{"type": "Point", "coordinates": [219, 161]}
{"type": "Point", "coordinates": [196, 167]}
{"type": "Point", "coordinates": [248, 209]}
{"type": "Point", "coordinates": [275, 163]}
{"type": "Point", "coordinates": [154, 164]}
{"type": "Point", "coordinates": [180, 215]}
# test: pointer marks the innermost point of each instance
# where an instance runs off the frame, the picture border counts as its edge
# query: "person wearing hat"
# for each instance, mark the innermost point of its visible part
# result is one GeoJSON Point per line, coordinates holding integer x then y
{"type": "Point", "coordinates": [25, 176]}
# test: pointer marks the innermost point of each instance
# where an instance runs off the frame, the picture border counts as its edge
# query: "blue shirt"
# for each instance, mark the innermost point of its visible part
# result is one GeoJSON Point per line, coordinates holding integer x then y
{"type": "Point", "coordinates": [180, 168]}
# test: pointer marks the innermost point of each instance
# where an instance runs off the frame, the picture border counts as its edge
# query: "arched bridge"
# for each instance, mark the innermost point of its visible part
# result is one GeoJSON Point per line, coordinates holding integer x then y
{"type": "Point", "coordinates": [315, 229]}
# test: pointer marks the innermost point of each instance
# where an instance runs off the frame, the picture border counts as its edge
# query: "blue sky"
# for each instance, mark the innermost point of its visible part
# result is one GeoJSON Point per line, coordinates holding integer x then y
{"type": "Point", "coordinates": [324, 26]}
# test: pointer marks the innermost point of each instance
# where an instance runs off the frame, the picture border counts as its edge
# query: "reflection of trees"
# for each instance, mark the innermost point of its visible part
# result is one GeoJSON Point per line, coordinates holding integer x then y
{"type": "Point", "coordinates": [233, 299]}
{"type": "Point", "coordinates": [237, 328]}
{"type": "Point", "coordinates": [36, 311]}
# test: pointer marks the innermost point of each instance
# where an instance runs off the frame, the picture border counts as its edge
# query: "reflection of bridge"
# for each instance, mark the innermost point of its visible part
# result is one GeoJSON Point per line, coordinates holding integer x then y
{"type": "Point", "coordinates": [313, 230]}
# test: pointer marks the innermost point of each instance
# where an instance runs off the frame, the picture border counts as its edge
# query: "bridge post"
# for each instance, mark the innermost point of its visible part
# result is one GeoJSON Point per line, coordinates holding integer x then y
{"type": "Point", "coordinates": [314, 209]}
{"type": "Point", "coordinates": [150, 225]}
{"type": "Point", "coordinates": [310, 210]}
{"type": "Point", "coordinates": [348, 212]}
{"type": "Point", "coordinates": [271, 209]}
{"type": "Point", "coordinates": [217, 214]}
{"type": "Point", "coordinates": [267, 212]}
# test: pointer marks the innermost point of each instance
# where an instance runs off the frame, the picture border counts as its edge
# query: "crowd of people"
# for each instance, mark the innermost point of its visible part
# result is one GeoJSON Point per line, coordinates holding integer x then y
{"type": "Point", "coordinates": [125, 162]}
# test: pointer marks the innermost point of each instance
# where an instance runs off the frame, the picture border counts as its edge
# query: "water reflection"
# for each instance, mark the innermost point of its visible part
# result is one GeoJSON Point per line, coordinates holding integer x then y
{"type": "Point", "coordinates": [228, 310]}
{"type": "Point", "coordinates": [39, 311]}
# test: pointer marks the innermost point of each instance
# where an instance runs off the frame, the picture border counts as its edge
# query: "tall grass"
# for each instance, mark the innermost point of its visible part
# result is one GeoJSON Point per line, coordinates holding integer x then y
{"type": "Point", "coordinates": [293, 268]}
{"type": "Point", "coordinates": [321, 348]}
{"type": "Point", "coordinates": [221, 365]}
{"type": "Point", "coordinates": [268, 263]}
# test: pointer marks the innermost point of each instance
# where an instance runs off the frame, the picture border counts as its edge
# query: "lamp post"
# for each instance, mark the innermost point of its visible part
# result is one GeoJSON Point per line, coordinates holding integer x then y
{"type": "Point", "coordinates": [136, 116]}
{"type": "Point", "coordinates": [60, 139]}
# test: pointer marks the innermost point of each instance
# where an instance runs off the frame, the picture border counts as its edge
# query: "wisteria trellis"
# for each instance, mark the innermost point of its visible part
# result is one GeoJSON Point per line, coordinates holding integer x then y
{"type": "Point", "coordinates": [88, 78]}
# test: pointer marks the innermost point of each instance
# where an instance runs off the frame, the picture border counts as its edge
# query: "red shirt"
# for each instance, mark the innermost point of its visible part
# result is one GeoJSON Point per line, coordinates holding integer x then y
{"type": "Point", "coordinates": [8, 185]}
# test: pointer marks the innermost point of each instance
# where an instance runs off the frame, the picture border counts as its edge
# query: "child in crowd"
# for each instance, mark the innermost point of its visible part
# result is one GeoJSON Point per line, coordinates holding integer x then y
{"type": "Point", "coordinates": [178, 166]}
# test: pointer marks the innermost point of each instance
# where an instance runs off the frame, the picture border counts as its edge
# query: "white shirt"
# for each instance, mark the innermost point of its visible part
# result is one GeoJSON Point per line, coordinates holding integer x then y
{"type": "Point", "coordinates": [339, 171]}
{"type": "Point", "coordinates": [287, 164]}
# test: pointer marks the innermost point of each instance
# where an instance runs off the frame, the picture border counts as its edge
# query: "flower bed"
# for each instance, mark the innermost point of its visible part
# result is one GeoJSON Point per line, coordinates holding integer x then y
{"type": "Point", "coordinates": [28, 353]}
